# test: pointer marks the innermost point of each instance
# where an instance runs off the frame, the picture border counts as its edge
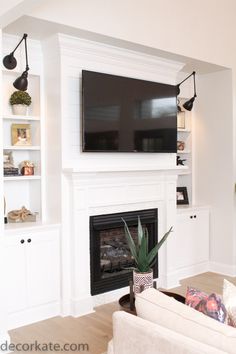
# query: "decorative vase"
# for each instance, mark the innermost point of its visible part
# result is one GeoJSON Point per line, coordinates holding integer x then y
{"type": "Point", "coordinates": [142, 281]}
{"type": "Point", "coordinates": [19, 109]}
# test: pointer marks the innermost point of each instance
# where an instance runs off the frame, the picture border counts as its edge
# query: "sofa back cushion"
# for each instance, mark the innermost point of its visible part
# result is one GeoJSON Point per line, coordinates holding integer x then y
{"type": "Point", "coordinates": [133, 335]}
{"type": "Point", "coordinates": [158, 308]}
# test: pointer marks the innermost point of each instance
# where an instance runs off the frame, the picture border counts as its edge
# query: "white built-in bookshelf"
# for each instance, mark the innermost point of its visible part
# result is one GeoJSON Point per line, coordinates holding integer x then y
{"type": "Point", "coordinates": [21, 190]}
{"type": "Point", "coordinates": [185, 135]}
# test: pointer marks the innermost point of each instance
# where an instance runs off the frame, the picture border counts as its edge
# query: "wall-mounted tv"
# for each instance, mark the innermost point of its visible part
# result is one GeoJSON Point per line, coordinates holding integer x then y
{"type": "Point", "coordinates": [122, 114]}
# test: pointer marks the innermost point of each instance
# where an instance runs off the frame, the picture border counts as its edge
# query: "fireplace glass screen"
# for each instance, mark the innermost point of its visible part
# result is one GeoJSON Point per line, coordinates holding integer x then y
{"type": "Point", "coordinates": [110, 257]}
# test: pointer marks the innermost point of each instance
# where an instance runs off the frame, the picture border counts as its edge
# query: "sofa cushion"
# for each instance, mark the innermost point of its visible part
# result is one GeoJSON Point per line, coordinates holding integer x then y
{"type": "Point", "coordinates": [133, 335]}
{"type": "Point", "coordinates": [156, 307]}
{"type": "Point", "coordinates": [211, 305]}
{"type": "Point", "coordinates": [229, 297]}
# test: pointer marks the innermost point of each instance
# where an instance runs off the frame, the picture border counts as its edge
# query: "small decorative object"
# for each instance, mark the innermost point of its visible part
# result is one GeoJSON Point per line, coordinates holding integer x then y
{"type": "Point", "coordinates": [8, 159]}
{"type": "Point", "coordinates": [181, 120]}
{"type": "Point", "coordinates": [27, 168]}
{"type": "Point", "coordinates": [144, 259]}
{"type": "Point", "coordinates": [20, 100]}
{"type": "Point", "coordinates": [8, 164]}
{"type": "Point", "coordinates": [179, 161]}
{"type": "Point", "coordinates": [11, 171]}
{"type": "Point", "coordinates": [182, 196]}
{"type": "Point", "coordinates": [22, 215]}
{"type": "Point", "coordinates": [20, 134]}
{"type": "Point", "coordinates": [5, 218]}
{"type": "Point", "coordinates": [180, 145]}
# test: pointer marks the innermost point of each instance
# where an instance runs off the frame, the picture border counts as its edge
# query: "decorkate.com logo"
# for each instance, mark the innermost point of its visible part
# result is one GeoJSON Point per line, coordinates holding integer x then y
{"type": "Point", "coordinates": [44, 347]}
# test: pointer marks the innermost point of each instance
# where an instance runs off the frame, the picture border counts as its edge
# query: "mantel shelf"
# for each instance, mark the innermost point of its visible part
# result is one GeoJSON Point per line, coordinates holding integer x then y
{"type": "Point", "coordinates": [161, 169]}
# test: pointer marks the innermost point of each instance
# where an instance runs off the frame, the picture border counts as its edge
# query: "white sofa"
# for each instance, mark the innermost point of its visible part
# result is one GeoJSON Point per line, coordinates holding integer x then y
{"type": "Point", "coordinates": [165, 326]}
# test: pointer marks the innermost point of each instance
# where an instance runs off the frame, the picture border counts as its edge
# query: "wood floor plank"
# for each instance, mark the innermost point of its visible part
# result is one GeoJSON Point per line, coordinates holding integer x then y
{"type": "Point", "coordinates": [96, 328]}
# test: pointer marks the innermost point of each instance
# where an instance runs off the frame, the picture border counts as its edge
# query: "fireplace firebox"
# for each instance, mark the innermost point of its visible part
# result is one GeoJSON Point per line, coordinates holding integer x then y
{"type": "Point", "coordinates": [110, 258]}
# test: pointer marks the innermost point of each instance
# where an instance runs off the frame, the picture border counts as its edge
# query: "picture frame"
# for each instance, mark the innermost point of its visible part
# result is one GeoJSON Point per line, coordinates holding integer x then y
{"type": "Point", "coordinates": [21, 134]}
{"type": "Point", "coordinates": [181, 120]}
{"type": "Point", "coordinates": [182, 196]}
{"type": "Point", "coordinates": [8, 161]}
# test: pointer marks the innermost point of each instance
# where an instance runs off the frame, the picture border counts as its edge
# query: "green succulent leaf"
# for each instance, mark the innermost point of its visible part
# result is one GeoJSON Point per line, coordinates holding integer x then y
{"type": "Point", "coordinates": [142, 255]}
{"type": "Point", "coordinates": [153, 253]}
{"type": "Point", "coordinates": [130, 242]}
{"type": "Point", "coordinates": [140, 232]}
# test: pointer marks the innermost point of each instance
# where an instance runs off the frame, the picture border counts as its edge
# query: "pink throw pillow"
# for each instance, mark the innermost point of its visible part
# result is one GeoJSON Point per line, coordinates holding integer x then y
{"type": "Point", "coordinates": [211, 305]}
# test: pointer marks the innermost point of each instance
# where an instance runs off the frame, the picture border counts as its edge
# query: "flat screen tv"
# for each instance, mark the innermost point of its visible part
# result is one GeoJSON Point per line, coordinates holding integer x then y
{"type": "Point", "coordinates": [122, 114]}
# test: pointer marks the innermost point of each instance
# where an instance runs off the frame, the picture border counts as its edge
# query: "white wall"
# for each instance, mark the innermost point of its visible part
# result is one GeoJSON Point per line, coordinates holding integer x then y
{"type": "Point", "coordinates": [202, 29]}
{"type": "Point", "coordinates": [214, 183]}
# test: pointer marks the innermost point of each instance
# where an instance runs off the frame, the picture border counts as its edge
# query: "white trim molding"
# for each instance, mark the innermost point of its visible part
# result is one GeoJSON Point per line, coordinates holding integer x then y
{"type": "Point", "coordinates": [221, 268]}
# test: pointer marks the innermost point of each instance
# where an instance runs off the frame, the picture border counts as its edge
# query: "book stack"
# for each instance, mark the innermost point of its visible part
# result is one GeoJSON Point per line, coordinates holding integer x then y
{"type": "Point", "coordinates": [11, 171]}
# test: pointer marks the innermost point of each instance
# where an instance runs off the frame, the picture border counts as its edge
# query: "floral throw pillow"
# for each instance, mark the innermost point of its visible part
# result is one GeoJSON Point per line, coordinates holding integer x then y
{"type": "Point", "coordinates": [211, 305]}
{"type": "Point", "coordinates": [229, 297]}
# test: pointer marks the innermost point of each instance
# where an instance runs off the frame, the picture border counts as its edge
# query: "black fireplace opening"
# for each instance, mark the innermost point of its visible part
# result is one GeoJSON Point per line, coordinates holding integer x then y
{"type": "Point", "coordinates": [110, 257]}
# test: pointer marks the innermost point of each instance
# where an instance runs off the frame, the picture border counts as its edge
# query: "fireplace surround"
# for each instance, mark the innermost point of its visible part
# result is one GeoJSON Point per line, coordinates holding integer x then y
{"type": "Point", "coordinates": [110, 258]}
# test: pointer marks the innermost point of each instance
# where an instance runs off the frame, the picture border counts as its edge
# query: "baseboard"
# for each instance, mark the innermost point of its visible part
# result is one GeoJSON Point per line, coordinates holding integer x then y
{"type": "Point", "coordinates": [81, 306]}
{"type": "Point", "coordinates": [109, 296]}
{"type": "Point", "coordinates": [221, 268]}
{"type": "Point", "coordinates": [173, 278]}
{"type": "Point", "coordinates": [35, 314]}
{"type": "Point", "coordinates": [84, 306]}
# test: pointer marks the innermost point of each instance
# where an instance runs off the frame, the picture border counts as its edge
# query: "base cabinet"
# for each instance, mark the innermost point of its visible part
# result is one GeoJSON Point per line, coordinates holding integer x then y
{"type": "Point", "coordinates": [189, 246]}
{"type": "Point", "coordinates": [33, 276]}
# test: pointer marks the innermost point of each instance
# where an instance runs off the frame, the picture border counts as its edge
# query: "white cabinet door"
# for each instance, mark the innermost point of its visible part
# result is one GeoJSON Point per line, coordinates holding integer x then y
{"type": "Point", "coordinates": [32, 262]}
{"type": "Point", "coordinates": [43, 268]}
{"type": "Point", "coordinates": [15, 253]}
{"type": "Point", "coordinates": [190, 243]}
{"type": "Point", "coordinates": [201, 235]}
{"type": "Point", "coordinates": [181, 243]}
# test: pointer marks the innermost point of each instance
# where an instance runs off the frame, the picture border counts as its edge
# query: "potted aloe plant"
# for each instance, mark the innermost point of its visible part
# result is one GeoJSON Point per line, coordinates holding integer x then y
{"type": "Point", "coordinates": [20, 100]}
{"type": "Point", "coordinates": [143, 258]}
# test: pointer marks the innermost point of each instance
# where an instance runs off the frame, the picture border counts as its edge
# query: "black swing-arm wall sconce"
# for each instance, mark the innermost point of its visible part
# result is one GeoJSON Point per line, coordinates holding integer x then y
{"type": "Point", "coordinates": [10, 62]}
{"type": "Point", "coordinates": [188, 105]}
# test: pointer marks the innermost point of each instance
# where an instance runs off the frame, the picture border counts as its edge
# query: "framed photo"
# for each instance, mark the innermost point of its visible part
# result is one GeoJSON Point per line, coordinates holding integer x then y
{"type": "Point", "coordinates": [8, 161]}
{"type": "Point", "coordinates": [182, 195]}
{"type": "Point", "coordinates": [181, 120]}
{"type": "Point", "coordinates": [20, 134]}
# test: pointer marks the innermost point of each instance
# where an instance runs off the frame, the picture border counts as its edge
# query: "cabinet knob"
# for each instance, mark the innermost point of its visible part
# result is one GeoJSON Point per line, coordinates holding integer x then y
{"type": "Point", "coordinates": [29, 240]}
{"type": "Point", "coordinates": [191, 217]}
{"type": "Point", "coordinates": [195, 216]}
{"type": "Point", "coordinates": [22, 241]}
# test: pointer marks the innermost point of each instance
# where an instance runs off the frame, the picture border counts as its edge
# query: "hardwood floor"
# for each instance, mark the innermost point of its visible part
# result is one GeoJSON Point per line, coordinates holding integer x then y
{"type": "Point", "coordinates": [96, 329]}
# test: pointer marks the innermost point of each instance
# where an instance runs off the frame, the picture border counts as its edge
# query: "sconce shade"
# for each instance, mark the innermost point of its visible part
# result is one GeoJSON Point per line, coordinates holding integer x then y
{"type": "Point", "coordinates": [9, 61]}
{"type": "Point", "coordinates": [21, 83]}
{"type": "Point", "coordinates": [188, 105]}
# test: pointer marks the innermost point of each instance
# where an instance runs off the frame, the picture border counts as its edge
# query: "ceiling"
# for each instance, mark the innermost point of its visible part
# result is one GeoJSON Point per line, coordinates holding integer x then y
{"type": "Point", "coordinates": [41, 29]}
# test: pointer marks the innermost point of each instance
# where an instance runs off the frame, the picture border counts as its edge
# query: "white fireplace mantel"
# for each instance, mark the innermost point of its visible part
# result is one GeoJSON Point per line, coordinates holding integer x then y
{"type": "Point", "coordinates": [109, 192]}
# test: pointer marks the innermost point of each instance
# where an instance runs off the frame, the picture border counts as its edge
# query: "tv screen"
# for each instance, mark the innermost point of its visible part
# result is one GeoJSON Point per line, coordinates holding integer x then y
{"type": "Point", "coordinates": [128, 115]}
